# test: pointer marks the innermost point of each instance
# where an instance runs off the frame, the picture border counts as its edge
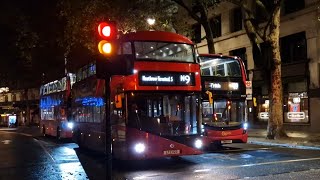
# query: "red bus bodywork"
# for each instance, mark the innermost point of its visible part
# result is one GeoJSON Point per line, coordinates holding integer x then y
{"type": "Point", "coordinates": [126, 88]}
{"type": "Point", "coordinates": [223, 133]}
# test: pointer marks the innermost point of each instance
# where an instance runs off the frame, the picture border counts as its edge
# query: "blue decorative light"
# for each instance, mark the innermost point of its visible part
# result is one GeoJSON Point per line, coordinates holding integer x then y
{"type": "Point", "coordinates": [91, 101]}
{"type": "Point", "coordinates": [48, 102]}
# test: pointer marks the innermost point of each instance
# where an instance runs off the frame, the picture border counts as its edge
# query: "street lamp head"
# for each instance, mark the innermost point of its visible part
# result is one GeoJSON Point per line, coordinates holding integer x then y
{"type": "Point", "coordinates": [151, 21]}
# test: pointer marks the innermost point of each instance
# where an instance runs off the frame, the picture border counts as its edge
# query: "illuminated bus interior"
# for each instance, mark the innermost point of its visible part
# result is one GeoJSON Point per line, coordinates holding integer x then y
{"type": "Point", "coordinates": [223, 112]}
{"type": "Point", "coordinates": [163, 51]}
{"type": "Point", "coordinates": [222, 67]}
{"type": "Point", "coordinates": [163, 114]}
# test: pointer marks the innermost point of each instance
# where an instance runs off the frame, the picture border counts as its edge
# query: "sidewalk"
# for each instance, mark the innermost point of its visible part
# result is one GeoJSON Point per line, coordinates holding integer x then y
{"type": "Point", "coordinates": [296, 139]}
{"type": "Point", "coordinates": [25, 130]}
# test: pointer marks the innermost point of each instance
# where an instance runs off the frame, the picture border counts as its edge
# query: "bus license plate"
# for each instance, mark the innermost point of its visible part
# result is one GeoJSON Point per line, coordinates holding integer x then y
{"type": "Point", "coordinates": [226, 141]}
{"type": "Point", "coordinates": [171, 152]}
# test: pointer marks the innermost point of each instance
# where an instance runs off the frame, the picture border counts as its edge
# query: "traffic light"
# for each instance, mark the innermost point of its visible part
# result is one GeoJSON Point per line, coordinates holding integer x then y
{"type": "Point", "coordinates": [108, 33]}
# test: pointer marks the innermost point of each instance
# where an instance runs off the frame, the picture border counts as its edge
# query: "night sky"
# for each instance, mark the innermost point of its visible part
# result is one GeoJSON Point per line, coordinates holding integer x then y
{"type": "Point", "coordinates": [33, 16]}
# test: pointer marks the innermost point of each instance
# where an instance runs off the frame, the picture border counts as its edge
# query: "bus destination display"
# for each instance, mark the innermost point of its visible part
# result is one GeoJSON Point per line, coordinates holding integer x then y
{"type": "Point", "coordinates": [166, 79]}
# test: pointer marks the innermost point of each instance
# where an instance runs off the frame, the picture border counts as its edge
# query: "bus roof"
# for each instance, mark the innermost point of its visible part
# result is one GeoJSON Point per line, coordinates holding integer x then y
{"type": "Point", "coordinates": [155, 36]}
{"type": "Point", "coordinates": [219, 55]}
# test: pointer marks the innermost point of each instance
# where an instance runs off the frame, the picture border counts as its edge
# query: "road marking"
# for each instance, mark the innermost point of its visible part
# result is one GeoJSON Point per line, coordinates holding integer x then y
{"type": "Point", "coordinates": [257, 164]}
{"type": "Point", "coordinates": [277, 162]}
{"type": "Point", "coordinates": [6, 141]}
{"type": "Point", "coordinates": [45, 150]}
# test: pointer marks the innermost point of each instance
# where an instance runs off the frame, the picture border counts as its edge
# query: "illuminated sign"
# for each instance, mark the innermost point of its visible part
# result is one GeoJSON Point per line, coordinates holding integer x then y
{"type": "Point", "coordinates": [296, 115]}
{"type": "Point", "coordinates": [215, 85]}
{"type": "Point", "coordinates": [166, 79]}
{"type": "Point", "coordinates": [227, 86]}
{"type": "Point", "coordinates": [263, 115]}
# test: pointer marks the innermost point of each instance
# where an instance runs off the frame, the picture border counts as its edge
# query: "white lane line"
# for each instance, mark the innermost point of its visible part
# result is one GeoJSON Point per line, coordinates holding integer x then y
{"type": "Point", "coordinates": [277, 162]}
{"type": "Point", "coordinates": [45, 150]}
{"type": "Point", "coordinates": [258, 164]}
{"type": "Point", "coordinates": [146, 176]}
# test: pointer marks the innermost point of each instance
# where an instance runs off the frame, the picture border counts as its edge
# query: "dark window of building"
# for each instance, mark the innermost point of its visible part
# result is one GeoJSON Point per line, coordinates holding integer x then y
{"type": "Point", "coordinates": [215, 24]}
{"type": "Point", "coordinates": [241, 52]}
{"type": "Point", "coordinates": [266, 54]}
{"type": "Point", "coordinates": [236, 20]}
{"type": "Point", "coordinates": [290, 6]}
{"type": "Point", "coordinates": [196, 33]}
{"type": "Point", "coordinates": [293, 48]}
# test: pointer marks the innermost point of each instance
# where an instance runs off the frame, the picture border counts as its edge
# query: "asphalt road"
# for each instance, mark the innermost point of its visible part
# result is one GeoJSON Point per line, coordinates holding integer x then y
{"type": "Point", "coordinates": [244, 161]}
{"type": "Point", "coordinates": [23, 157]}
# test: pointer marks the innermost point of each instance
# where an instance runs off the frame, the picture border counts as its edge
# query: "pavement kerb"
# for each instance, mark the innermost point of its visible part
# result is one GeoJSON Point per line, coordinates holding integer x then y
{"type": "Point", "coordinates": [284, 143]}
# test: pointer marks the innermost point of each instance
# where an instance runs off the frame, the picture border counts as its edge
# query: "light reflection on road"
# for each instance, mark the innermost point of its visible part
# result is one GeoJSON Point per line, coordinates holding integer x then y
{"type": "Point", "coordinates": [72, 170]}
{"type": "Point", "coordinates": [66, 160]}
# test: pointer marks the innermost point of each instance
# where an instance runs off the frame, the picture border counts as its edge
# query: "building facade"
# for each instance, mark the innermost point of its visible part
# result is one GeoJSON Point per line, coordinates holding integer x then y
{"type": "Point", "coordinates": [19, 106]}
{"type": "Point", "coordinates": [300, 55]}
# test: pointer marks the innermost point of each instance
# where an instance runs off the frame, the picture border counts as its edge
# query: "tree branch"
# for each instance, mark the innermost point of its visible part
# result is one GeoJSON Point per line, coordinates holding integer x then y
{"type": "Point", "coordinates": [193, 15]}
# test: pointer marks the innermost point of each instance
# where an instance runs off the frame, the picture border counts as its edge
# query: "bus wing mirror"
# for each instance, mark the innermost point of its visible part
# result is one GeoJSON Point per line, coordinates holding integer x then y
{"type": "Point", "coordinates": [118, 101]}
{"type": "Point", "coordinates": [210, 97]}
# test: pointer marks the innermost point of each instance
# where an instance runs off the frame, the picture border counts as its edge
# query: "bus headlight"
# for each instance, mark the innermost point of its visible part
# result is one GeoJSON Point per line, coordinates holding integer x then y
{"type": "Point", "coordinates": [245, 126]}
{"type": "Point", "coordinates": [198, 143]}
{"type": "Point", "coordinates": [139, 148]}
{"type": "Point", "coordinates": [70, 125]}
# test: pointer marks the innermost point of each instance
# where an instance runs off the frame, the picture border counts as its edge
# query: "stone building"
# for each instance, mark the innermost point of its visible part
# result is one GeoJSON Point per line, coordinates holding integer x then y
{"type": "Point", "coordinates": [300, 54]}
{"type": "Point", "coordinates": [22, 105]}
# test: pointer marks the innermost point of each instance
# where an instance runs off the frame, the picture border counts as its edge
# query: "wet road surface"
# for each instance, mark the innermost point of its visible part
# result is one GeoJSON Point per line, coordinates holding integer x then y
{"type": "Point", "coordinates": [23, 157]}
{"type": "Point", "coordinates": [244, 161]}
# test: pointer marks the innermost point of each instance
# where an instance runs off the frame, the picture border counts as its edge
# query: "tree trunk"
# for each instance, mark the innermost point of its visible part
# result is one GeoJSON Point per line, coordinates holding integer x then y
{"type": "Point", "coordinates": [275, 123]}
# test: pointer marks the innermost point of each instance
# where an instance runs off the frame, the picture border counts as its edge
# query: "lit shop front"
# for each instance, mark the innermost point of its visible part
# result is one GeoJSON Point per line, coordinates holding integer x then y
{"type": "Point", "coordinates": [296, 108]}
{"type": "Point", "coordinates": [295, 105]}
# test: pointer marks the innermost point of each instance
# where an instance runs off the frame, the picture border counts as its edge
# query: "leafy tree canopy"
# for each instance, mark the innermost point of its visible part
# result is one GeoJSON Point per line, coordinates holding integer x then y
{"type": "Point", "coordinates": [82, 18]}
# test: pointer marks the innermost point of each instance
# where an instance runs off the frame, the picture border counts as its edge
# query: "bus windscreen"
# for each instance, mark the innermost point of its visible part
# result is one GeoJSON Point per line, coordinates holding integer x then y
{"type": "Point", "coordinates": [221, 67]}
{"type": "Point", "coordinates": [163, 114]}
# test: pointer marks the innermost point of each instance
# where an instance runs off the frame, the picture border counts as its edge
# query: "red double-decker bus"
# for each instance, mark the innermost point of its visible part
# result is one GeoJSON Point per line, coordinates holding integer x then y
{"type": "Point", "coordinates": [55, 101]}
{"type": "Point", "coordinates": [155, 110]}
{"type": "Point", "coordinates": [224, 93]}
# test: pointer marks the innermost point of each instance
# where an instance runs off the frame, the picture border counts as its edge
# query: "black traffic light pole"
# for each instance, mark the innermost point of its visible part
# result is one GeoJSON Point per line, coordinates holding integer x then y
{"type": "Point", "coordinates": [108, 138]}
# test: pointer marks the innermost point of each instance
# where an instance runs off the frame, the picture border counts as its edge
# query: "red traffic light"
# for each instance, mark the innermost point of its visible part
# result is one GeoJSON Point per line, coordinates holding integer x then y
{"type": "Point", "coordinates": [107, 30]}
